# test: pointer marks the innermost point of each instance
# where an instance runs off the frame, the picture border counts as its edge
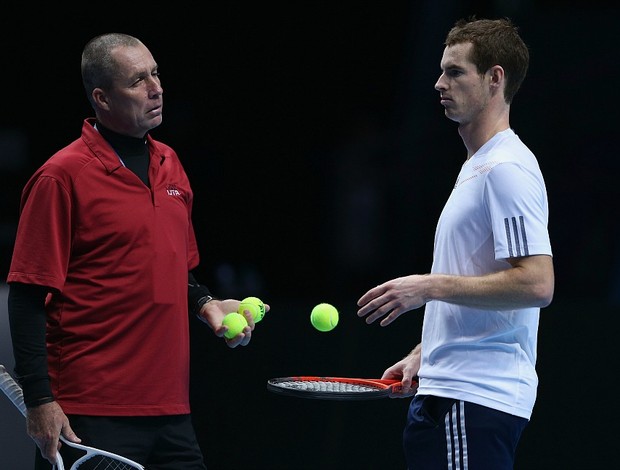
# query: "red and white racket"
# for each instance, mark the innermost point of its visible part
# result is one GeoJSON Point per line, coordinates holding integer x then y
{"type": "Point", "coordinates": [96, 458]}
{"type": "Point", "coordinates": [334, 388]}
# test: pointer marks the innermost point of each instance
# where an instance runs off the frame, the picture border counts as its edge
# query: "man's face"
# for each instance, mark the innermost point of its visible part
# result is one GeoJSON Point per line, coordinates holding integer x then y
{"type": "Point", "coordinates": [463, 91]}
{"type": "Point", "coordinates": [135, 100]}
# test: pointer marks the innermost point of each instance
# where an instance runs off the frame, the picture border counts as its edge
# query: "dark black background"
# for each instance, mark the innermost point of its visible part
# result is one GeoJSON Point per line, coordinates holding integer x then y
{"type": "Point", "coordinates": [320, 160]}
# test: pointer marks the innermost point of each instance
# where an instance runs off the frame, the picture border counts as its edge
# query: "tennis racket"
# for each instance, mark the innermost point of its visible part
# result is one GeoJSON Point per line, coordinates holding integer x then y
{"type": "Point", "coordinates": [96, 458]}
{"type": "Point", "coordinates": [333, 388]}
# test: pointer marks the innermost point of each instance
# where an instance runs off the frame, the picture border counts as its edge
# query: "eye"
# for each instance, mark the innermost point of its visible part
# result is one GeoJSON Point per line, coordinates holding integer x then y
{"type": "Point", "coordinates": [137, 81]}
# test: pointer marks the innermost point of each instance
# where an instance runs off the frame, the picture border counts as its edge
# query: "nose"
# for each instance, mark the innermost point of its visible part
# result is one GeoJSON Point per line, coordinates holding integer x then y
{"type": "Point", "coordinates": [439, 84]}
{"type": "Point", "coordinates": [155, 88]}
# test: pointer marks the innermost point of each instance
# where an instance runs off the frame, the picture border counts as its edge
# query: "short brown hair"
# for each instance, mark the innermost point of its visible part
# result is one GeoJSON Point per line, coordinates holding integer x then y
{"type": "Point", "coordinates": [495, 42]}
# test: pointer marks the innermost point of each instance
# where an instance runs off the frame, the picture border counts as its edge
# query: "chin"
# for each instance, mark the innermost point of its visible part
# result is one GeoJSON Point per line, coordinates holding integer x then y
{"type": "Point", "coordinates": [154, 122]}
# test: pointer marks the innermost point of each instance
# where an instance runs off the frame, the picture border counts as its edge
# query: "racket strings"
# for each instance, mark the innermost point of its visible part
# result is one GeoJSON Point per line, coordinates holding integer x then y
{"type": "Point", "coordinates": [327, 386]}
{"type": "Point", "coordinates": [100, 462]}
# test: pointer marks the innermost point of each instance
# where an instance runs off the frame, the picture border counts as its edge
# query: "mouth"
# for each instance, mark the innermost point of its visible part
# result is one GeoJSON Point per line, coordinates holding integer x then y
{"type": "Point", "coordinates": [155, 110]}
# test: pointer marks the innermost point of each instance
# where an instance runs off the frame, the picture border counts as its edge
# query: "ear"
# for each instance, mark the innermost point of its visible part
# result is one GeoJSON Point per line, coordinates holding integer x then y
{"type": "Point", "coordinates": [496, 74]}
{"type": "Point", "coordinates": [100, 99]}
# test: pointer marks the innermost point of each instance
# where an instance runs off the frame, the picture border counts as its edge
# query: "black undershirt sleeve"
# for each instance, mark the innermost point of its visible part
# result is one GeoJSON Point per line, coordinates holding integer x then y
{"type": "Point", "coordinates": [27, 320]}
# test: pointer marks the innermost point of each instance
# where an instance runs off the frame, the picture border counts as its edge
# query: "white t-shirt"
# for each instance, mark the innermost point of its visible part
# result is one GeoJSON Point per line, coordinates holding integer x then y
{"type": "Point", "coordinates": [497, 210]}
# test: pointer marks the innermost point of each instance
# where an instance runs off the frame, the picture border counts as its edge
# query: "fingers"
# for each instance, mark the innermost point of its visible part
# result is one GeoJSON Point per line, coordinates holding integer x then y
{"type": "Point", "coordinates": [69, 434]}
{"type": "Point", "coordinates": [407, 388]}
{"type": "Point", "coordinates": [410, 387]}
{"type": "Point", "coordinates": [49, 449]}
{"type": "Point", "coordinates": [49, 453]}
{"type": "Point", "coordinates": [403, 393]}
{"type": "Point", "coordinates": [249, 318]}
{"type": "Point", "coordinates": [376, 303]}
{"type": "Point", "coordinates": [369, 296]}
{"type": "Point", "coordinates": [373, 311]}
{"type": "Point", "coordinates": [242, 339]}
{"type": "Point", "coordinates": [391, 299]}
{"type": "Point", "coordinates": [393, 315]}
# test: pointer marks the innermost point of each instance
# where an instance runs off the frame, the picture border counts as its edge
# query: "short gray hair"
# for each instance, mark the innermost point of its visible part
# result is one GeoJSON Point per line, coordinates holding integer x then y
{"type": "Point", "coordinates": [98, 66]}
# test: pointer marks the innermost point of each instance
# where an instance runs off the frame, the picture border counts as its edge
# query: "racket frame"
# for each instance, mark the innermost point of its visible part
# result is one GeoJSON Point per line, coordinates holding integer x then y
{"type": "Point", "coordinates": [379, 388]}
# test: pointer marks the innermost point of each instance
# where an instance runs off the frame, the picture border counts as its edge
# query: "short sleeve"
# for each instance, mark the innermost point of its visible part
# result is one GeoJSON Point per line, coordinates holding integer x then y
{"type": "Point", "coordinates": [516, 199]}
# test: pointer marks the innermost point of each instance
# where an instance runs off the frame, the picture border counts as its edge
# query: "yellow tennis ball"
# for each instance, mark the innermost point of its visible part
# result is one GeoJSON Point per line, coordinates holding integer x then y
{"type": "Point", "coordinates": [235, 323]}
{"type": "Point", "coordinates": [255, 306]}
{"type": "Point", "coordinates": [324, 317]}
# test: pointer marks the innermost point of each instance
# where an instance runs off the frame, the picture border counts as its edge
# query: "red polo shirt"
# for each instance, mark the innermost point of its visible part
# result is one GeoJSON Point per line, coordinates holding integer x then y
{"type": "Point", "coordinates": [117, 255]}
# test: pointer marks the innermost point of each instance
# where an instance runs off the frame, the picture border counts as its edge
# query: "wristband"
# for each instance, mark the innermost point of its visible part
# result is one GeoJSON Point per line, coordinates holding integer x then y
{"type": "Point", "coordinates": [202, 301]}
{"type": "Point", "coordinates": [39, 401]}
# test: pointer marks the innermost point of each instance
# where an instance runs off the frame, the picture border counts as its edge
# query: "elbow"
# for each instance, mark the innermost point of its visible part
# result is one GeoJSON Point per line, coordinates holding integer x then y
{"type": "Point", "coordinates": [538, 278]}
{"type": "Point", "coordinates": [545, 301]}
{"type": "Point", "coordinates": [543, 294]}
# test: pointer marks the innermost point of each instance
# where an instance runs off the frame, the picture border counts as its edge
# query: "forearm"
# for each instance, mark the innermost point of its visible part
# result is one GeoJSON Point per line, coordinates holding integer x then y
{"type": "Point", "coordinates": [27, 318]}
{"type": "Point", "coordinates": [528, 283]}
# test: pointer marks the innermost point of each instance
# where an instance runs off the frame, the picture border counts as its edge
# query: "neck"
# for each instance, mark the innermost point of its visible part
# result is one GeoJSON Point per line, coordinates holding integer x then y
{"type": "Point", "coordinates": [477, 133]}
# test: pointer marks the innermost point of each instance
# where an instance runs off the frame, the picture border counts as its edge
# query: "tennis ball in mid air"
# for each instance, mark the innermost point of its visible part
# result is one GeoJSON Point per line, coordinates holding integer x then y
{"type": "Point", "coordinates": [324, 317]}
{"type": "Point", "coordinates": [255, 306]}
{"type": "Point", "coordinates": [235, 323]}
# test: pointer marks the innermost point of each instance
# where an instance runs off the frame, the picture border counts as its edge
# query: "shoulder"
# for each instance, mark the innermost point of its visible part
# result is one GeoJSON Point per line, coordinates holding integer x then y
{"type": "Point", "coordinates": [508, 147]}
{"type": "Point", "coordinates": [67, 161]}
{"type": "Point", "coordinates": [505, 154]}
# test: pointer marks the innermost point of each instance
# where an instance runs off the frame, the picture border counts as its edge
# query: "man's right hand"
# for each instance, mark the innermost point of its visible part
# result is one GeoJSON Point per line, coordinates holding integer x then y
{"type": "Point", "coordinates": [45, 423]}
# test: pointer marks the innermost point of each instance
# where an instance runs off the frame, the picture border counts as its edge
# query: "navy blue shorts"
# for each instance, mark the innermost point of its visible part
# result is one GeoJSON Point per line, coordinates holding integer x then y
{"type": "Point", "coordinates": [449, 434]}
{"type": "Point", "coordinates": [157, 442]}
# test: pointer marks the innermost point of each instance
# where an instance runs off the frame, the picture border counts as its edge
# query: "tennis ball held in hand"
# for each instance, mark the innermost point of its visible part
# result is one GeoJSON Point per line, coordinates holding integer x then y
{"type": "Point", "coordinates": [324, 317]}
{"type": "Point", "coordinates": [235, 323]}
{"type": "Point", "coordinates": [255, 306]}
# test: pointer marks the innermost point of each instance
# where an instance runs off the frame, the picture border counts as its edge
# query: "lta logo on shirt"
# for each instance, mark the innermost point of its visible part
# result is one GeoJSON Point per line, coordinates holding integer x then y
{"type": "Point", "coordinates": [172, 190]}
